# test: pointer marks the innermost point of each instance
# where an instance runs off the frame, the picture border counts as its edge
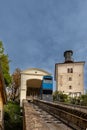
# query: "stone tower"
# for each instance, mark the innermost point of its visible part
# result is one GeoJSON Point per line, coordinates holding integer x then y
{"type": "Point", "coordinates": [69, 75]}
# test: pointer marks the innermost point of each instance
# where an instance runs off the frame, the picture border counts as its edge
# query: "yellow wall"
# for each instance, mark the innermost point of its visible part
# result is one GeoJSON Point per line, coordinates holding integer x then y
{"type": "Point", "coordinates": [1, 110]}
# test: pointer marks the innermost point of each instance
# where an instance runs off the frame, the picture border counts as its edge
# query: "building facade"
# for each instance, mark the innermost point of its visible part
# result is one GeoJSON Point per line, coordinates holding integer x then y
{"type": "Point", "coordinates": [69, 76]}
{"type": "Point", "coordinates": [31, 81]}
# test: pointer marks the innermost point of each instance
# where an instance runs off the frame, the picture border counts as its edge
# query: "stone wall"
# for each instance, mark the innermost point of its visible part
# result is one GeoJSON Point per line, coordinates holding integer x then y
{"type": "Point", "coordinates": [74, 79]}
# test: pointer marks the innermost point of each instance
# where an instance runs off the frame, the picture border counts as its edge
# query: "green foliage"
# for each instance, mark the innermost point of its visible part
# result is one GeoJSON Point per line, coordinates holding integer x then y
{"type": "Point", "coordinates": [5, 65]}
{"type": "Point", "coordinates": [1, 48]}
{"type": "Point", "coordinates": [12, 117]}
{"type": "Point", "coordinates": [83, 100]}
{"type": "Point", "coordinates": [59, 96]}
{"type": "Point", "coordinates": [74, 100]}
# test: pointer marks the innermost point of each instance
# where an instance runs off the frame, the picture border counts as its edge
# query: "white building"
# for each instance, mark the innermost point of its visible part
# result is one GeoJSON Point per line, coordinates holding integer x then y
{"type": "Point", "coordinates": [31, 80]}
{"type": "Point", "coordinates": [69, 75]}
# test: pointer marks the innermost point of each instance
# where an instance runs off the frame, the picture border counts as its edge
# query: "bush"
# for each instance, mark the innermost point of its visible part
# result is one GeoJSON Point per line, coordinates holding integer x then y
{"type": "Point", "coordinates": [84, 100]}
{"type": "Point", "coordinates": [59, 96]}
{"type": "Point", "coordinates": [12, 116]}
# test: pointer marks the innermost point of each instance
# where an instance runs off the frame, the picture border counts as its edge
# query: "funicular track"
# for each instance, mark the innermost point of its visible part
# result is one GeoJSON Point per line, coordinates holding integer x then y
{"type": "Point", "coordinates": [72, 117]}
{"type": "Point", "coordinates": [36, 118]}
{"type": "Point", "coordinates": [73, 106]}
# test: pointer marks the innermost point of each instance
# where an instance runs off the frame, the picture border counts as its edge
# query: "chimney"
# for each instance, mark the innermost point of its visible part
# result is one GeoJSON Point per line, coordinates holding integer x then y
{"type": "Point", "coordinates": [68, 56]}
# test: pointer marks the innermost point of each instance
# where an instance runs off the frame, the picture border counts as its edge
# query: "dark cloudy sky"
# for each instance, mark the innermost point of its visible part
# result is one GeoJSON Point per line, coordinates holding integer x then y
{"type": "Point", "coordinates": [35, 33]}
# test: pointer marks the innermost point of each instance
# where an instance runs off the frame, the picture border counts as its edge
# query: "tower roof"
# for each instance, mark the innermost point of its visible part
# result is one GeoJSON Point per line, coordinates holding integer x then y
{"type": "Point", "coordinates": [68, 56]}
{"type": "Point", "coordinates": [68, 51]}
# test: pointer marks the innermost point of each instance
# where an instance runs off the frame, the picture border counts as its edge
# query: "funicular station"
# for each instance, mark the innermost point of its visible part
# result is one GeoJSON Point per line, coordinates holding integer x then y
{"type": "Point", "coordinates": [31, 81]}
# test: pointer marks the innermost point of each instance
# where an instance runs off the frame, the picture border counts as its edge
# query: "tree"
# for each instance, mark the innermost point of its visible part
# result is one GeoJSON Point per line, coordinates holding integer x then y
{"type": "Point", "coordinates": [16, 77]}
{"type": "Point", "coordinates": [4, 61]}
{"type": "Point", "coordinates": [60, 96]}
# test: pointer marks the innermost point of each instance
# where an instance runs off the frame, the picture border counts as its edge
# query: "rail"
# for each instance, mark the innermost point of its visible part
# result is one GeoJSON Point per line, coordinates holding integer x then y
{"type": "Point", "coordinates": [72, 117]}
{"type": "Point", "coordinates": [73, 106]}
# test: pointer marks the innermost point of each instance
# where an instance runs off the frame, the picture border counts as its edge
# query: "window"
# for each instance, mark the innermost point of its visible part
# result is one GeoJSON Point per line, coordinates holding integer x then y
{"type": "Point", "coordinates": [70, 70]}
{"type": "Point", "coordinates": [78, 83]}
{"type": "Point", "coordinates": [47, 81]}
{"type": "Point", "coordinates": [70, 87]}
{"type": "Point", "coordinates": [70, 78]}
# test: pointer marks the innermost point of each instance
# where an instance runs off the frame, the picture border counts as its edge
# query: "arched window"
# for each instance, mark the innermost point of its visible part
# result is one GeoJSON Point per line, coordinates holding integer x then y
{"type": "Point", "coordinates": [70, 70]}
